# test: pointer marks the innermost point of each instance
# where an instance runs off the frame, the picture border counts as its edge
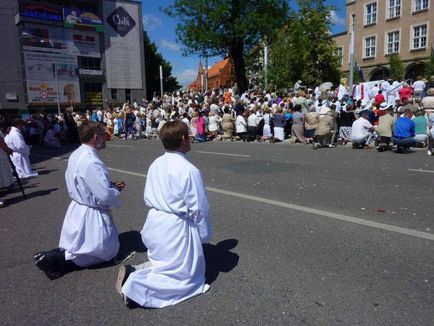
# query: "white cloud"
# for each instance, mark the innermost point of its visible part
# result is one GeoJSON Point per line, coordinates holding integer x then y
{"type": "Point", "coordinates": [186, 77]}
{"type": "Point", "coordinates": [169, 45]}
{"type": "Point", "coordinates": [151, 22]}
{"type": "Point", "coordinates": [335, 19]}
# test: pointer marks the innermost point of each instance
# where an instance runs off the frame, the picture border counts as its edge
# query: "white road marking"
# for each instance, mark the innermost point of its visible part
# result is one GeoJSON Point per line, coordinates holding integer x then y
{"type": "Point", "coordinates": [336, 216]}
{"type": "Point", "coordinates": [420, 170]}
{"type": "Point", "coordinates": [340, 217]}
{"type": "Point", "coordinates": [225, 154]}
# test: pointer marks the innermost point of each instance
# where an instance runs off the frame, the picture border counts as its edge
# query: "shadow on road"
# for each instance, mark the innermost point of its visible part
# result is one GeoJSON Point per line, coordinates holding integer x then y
{"type": "Point", "coordinates": [40, 154]}
{"type": "Point", "coordinates": [219, 258]}
{"type": "Point", "coordinates": [19, 198]}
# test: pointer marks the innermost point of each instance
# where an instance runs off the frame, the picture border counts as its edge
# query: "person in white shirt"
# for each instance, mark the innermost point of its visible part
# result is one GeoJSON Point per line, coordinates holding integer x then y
{"type": "Point", "coordinates": [252, 126]}
{"type": "Point", "coordinates": [362, 130]}
{"type": "Point", "coordinates": [89, 236]}
{"type": "Point", "coordinates": [177, 225]}
{"type": "Point", "coordinates": [21, 151]}
{"type": "Point", "coordinates": [385, 87]}
{"type": "Point", "coordinates": [241, 125]}
{"type": "Point", "coordinates": [374, 91]}
{"type": "Point", "coordinates": [419, 88]}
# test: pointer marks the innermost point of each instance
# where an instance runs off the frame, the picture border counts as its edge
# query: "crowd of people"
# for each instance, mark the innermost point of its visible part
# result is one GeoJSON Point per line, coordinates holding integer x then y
{"type": "Point", "coordinates": [388, 115]}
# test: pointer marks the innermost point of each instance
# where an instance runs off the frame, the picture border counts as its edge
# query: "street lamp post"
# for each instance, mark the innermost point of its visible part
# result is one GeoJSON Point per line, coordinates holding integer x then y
{"type": "Point", "coordinates": [350, 82]}
{"type": "Point", "coordinates": [57, 88]}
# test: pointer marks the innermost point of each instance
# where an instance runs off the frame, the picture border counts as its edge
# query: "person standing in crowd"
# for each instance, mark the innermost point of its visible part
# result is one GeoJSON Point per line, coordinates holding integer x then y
{"type": "Point", "coordinates": [21, 151]}
{"type": "Point", "coordinates": [5, 169]}
{"type": "Point", "coordinates": [419, 88]}
{"type": "Point", "coordinates": [362, 131]}
{"type": "Point", "coordinates": [297, 130]}
{"type": "Point", "coordinates": [89, 236]}
{"type": "Point", "coordinates": [404, 132]}
{"type": "Point", "coordinates": [129, 120]}
{"type": "Point", "coordinates": [71, 126]}
{"type": "Point", "coordinates": [177, 225]}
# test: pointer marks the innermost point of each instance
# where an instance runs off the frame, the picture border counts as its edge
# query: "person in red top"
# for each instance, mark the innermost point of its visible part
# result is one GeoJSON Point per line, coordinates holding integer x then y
{"type": "Point", "coordinates": [406, 92]}
{"type": "Point", "coordinates": [379, 98]}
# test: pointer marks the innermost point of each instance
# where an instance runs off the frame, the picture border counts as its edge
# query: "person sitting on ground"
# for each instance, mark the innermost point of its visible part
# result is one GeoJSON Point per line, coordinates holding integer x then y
{"type": "Point", "coordinates": [362, 131]}
{"type": "Point", "coordinates": [89, 236]}
{"type": "Point", "coordinates": [241, 126]}
{"type": "Point", "coordinates": [421, 127]}
{"type": "Point", "coordinates": [345, 122]}
{"type": "Point", "coordinates": [406, 104]}
{"type": "Point", "coordinates": [177, 225]}
{"type": "Point", "coordinates": [384, 129]}
{"type": "Point", "coordinates": [297, 129]}
{"type": "Point", "coordinates": [227, 124]}
{"type": "Point", "coordinates": [404, 132]}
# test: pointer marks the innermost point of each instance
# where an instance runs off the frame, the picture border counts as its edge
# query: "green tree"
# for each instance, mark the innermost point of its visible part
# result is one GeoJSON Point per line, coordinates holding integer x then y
{"type": "Point", "coordinates": [153, 61]}
{"type": "Point", "coordinates": [396, 67]}
{"type": "Point", "coordinates": [429, 68]}
{"type": "Point", "coordinates": [230, 28]}
{"type": "Point", "coordinates": [304, 48]}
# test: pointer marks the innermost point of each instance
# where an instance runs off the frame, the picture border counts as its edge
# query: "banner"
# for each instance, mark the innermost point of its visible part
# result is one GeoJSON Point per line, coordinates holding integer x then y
{"type": "Point", "coordinates": [76, 17]}
{"type": "Point", "coordinates": [41, 78]}
{"type": "Point", "coordinates": [122, 41]}
{"type": "Point", "coordinates": [40, 11]}
{"type": "Point", "coordinates": [58, 40]}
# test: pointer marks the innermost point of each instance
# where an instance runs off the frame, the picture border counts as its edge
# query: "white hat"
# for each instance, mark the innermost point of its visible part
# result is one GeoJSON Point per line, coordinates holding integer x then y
{"type": "Point", "coordinates": [383, 105]}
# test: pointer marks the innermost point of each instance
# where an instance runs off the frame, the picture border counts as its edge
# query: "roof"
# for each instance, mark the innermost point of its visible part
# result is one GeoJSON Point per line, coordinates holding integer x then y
{"type": "Point", "coordinates": [215, 70]}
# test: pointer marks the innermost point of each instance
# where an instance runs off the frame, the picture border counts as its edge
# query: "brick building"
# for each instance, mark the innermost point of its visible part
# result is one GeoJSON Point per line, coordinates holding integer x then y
{"type": "Point", "coordinates": [219, 75]}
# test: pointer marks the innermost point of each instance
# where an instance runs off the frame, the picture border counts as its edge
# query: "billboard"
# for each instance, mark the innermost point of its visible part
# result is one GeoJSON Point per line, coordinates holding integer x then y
{"type": "Point", "coordinates": [57, 40]}
{"type": "Point", "coordinates": [41, 69]}
{"type": "Point", "coordinates": [76, 17]}
{"type": "Point", "coordinates": [122, 42]}
{"type": "Point", "coordinates": [40, 11]}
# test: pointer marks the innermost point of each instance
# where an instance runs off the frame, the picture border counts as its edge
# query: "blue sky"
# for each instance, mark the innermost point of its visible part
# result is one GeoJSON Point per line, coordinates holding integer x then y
{"type": "Point", "coordinates": [161, 30]}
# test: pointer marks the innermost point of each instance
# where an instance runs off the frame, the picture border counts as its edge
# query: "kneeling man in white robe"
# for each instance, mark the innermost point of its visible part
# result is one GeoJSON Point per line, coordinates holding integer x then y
{"type": "Point", "coordinates": [88, 235]}
{"type": "Point", "coordinates": [177, 224]}
{"type": "Point", "coordinates": [21, 151]}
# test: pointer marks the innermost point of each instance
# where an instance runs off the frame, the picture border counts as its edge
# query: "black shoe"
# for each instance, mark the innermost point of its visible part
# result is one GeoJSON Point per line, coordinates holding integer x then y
{"type": "Point", "coordinates": [124, 272]}
{"type": "Point", "coordinates": [43, 263]}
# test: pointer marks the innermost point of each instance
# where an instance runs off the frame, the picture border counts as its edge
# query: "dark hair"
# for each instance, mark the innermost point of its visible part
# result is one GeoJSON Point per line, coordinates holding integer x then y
{"type": "Point", "coordinates": [171, 134]}
{"type": "Point", "coordinates": [297, 107]}
{"type": "Point", "coordinates": [88, 129]}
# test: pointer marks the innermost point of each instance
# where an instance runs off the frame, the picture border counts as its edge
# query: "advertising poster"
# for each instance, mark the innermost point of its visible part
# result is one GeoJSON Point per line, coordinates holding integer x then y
{"type": "Point", "coordinates": [40, 11]}
{"type": "Point", "coordinates": [76, 17]}
{"type": "Point", "coordinates": [122, 41]}
{"type": "Point", "coordinates": [57, 40]}
{"type": "Point", "coordinates": [41, 78]}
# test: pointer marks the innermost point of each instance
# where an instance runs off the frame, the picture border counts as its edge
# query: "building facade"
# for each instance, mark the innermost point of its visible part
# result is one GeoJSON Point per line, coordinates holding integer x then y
{"type": "Point", "coordinates": [220, 75]}
{"type": "Point", "coordinates": [386, 27]}
{"type": "Point", "coordinates": [64, 52]}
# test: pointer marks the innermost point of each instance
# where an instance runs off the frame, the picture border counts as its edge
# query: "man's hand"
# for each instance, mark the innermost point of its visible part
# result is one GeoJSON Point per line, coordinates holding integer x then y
{"type": "Point", "coordinates": [119, 184]}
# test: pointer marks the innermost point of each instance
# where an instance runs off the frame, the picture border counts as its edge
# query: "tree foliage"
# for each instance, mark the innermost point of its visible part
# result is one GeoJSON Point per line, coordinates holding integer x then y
{"type": "Point", "coordinates": [229, 28]}
{"type": "Point", "coordinates": [153, 61]}
{"type": "Point", "coordinates": [396, 67]}
{"type": "Point", "coordinates": [304, 48]}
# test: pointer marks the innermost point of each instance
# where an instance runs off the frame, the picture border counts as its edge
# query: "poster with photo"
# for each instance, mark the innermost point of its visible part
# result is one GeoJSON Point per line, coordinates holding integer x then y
{"type": "Point", "coordinates": [57, 40]}
{"type": "Point", "coordinates": [41, 69]}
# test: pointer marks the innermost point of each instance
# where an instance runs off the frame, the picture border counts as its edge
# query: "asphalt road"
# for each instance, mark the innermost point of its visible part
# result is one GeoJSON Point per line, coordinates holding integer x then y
{"type": "Point", "coordinates": [301, 237]}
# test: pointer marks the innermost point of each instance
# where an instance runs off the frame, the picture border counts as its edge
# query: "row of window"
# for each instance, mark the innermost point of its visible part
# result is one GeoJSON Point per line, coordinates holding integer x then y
{"type": "Point", "coordinates": [418, 41]}
{"type": "Point", "coordinates": [393, 9]}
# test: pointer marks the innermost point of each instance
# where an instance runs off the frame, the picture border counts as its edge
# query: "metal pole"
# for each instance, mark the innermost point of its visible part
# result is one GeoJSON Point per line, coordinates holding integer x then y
{"type": "Point", "coordinates": [266, 66]}
{"type": "Point", "coordinates": [206, 72]}
{"type": "Point", "coordinates": [353, 18]}
{"type": "Point", "coordinates": [57, 88]}
{"type": "Point", "coordinates": [161, 81]}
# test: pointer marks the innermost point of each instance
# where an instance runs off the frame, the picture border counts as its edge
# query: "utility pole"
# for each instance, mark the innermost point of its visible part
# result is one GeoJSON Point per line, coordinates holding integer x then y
{"type": "Point", "coordinates": [206, 72]}
{"type": "Point", "coordinates": [350, 82]}
{"type": "Point", "coordinates": [57, 88]}
{"type": "Point", "coordinates": [161, 81]}
{"type": "Point", "coordinates": [266, 66]}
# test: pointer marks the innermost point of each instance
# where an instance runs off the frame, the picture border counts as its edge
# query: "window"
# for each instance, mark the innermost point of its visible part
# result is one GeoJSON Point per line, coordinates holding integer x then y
{"type": "Point", "coordinates": [340, 54]}
{"type": "Point", "coordinates": [392, 42]}
{"type": "Point", "coordinates": [371, 13]}
{"type": "Point", "coordinates": [420, 5]}
{"type": "Point", "coordinates": [394, 9]}
{"type": "Point", "coordinates": [114, 93]}
{"type": "Point", "coordinates": [370, 47]}
{"type": "Point", "coordinates": [89, 63]}
{"type": "Point", "coordinates": [419, 37]}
